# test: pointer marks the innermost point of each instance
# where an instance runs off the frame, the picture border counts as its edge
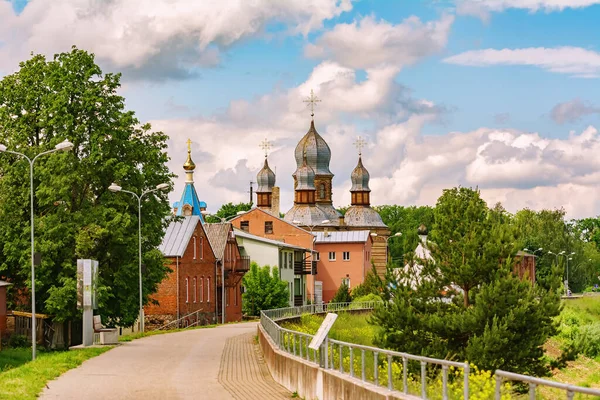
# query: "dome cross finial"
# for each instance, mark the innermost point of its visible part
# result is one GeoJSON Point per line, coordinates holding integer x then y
{"type": "Point", "coordinates": [359, 144]}
{"type": "Point", "coordinates": [311, 101]}
{"type": "Point", "coordinates": [189, 144]}
{"type": "Point", "coordinates": [266, 146]}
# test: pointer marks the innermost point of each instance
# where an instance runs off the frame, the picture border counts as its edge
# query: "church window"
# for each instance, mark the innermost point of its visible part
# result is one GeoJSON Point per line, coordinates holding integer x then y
{"type": "Point", "coordinates": [187, 290]}
{"type": "Point", "coordinates": [245, 226]}
{"type": "Point", "coordinates": [194, 284]}
{"type": "Point", "coordinates": [322, 191]}
{"type": "Point", "coordinates": [268, 226]}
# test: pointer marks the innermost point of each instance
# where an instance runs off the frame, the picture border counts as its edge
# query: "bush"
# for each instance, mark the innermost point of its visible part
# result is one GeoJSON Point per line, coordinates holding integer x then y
{"type": "Point", "coordinates": [18, 341]}
{"type": "Point", "coordinates": [367, 298]}
{"type": "Point", "coordinates": [342, 295]}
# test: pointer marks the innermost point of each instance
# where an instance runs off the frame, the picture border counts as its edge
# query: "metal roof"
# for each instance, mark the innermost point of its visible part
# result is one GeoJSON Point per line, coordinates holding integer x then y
{"type": "Point", "coordinates": [246, 235]}
{"type": "Point", "coordinates": [218, 234]}
{"type": "Point", "coordinates": [342, 237]}
{"type": "Point", "coordinates": [178, 236]}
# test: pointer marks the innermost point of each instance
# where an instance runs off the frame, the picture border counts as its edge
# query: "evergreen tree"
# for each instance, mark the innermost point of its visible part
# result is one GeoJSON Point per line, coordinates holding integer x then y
{"type": "Point", "coordinates": [342, 295]}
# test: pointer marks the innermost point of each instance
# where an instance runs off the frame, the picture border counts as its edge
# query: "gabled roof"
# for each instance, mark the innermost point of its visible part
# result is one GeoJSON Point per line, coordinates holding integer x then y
{"type": "Point", "coordinates": [342, 237]}
{"type": "Point", "coordinates": [246, 235]}
{"type": "Point", "coordinates": [4, 283]}
{"type": "Point", "coordinates": [178, 236]}
{"type": "Point", "coordinates": [190, 197]}
{"type": "Point", "coordinates": [255, 209]}
{"type": "Point", "coordinates": [218, 234]}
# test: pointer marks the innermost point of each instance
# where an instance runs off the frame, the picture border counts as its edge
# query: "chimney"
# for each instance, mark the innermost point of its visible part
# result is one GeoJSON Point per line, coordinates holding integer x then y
{"type": "Point", "coordinates": [275, 201]}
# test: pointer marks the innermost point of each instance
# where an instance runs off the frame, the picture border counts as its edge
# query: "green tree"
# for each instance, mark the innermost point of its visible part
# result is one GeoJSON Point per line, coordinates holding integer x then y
{"type": "Point", "coordinates": [372, 284]}
{"type": "Point", "coordinates": [263, 290]}
{"type": "Point", "coordinates": [227, 211]}
{"type": "Point", "coordinates": [466, 304]}
{"type": "Point", "coordinates": [342, 295]}
{"type": "Point", "coordinates": [68, 97]}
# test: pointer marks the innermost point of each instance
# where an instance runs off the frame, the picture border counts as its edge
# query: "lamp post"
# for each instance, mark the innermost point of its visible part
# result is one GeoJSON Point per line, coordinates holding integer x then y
{"type": "Point", "coordinates": [312, 250]}
{"type": "Point", "coordinates": [556, 255]}
{"type": "Point", "coordinates": [116, 188]}
{"type": "Point", "coordinates": [387, 238]}
{"type": "Point", "coordinates": [223, 219]}
{"type": "Point", "coordinates": [534, 251]}
{"type": "Point", "coordinates": [62, 146]}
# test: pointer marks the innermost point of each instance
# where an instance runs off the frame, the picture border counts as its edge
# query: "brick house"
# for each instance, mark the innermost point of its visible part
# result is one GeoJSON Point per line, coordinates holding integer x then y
{"type": "Point", "coordinates": [231, 265]}
{"type": "Point", "coordinates": [190, 286]}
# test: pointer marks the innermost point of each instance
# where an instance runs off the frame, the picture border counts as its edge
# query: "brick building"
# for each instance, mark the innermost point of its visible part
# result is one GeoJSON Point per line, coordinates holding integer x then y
{"type": "Point", "coordinates": [190, 286]}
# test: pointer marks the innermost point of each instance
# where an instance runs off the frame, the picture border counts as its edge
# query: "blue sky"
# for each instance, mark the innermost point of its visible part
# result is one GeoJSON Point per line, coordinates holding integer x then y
{"type": "Point", "coordinates": [499, 94]}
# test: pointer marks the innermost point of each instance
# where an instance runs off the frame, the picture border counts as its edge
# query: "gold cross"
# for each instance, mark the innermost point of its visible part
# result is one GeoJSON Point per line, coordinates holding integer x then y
{"type": "Point", "coordinates": [311, 101]}
{"type": "Point", "coordinates": [189, 143]}
{"type": "Point", "coordinates": [360, 143]}
{"type": "Point", "coordinates": [266, 146]}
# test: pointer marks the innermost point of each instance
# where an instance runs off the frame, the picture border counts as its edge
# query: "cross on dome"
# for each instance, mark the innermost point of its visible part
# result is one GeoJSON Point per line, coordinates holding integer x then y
{"type": "Point", "coordinates": [189, 144]}
{"type": "Point", "coordinates": [359, 144]}
{"type": "Point", "coordinates": [311, 101]}
{"type": "Point", "coordinates": [266, 146]}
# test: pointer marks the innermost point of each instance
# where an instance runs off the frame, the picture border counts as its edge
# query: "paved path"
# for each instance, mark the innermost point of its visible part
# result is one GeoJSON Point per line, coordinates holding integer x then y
{"type": "Point", "coordinates": [213, 363]}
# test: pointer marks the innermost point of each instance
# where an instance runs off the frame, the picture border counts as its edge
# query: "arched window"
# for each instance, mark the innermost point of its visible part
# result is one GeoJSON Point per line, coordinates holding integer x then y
{"type": "Point", "coordinates": [201, 289]}
{"type": "Point", "coordinates": [201, 247]}
{"type": "Point", "coordinates": [322, 191]}
{"type": "Point", "coordinates": [195, 289]}
{"type": "Point", "coordinates": [187, 290]}
{"type": "Point", "coordinates": [208, 290]}
{"type": "Point", "coordinates": [194, 243]}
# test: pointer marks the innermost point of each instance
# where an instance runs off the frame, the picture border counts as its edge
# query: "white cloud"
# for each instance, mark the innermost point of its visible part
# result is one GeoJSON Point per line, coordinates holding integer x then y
{"type": "Point", "coordinates": [572, 111]}
{"type": "Point", "coordinates": [156, 39]}
{"type": "Point", "coordinates": [370, 43]}
{"type": "Point", "coordinates": [482, 8]}
{"type": "Point", "coordinates": [573, 61]}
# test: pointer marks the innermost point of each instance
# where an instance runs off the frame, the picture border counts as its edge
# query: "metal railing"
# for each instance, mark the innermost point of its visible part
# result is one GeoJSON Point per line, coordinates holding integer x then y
{"type": "Point", "coordinates": [533, 383]}
{"type": "Point", "coordinates": [386, 368]}
{"type": "Point", "coordinates": [178, 322]}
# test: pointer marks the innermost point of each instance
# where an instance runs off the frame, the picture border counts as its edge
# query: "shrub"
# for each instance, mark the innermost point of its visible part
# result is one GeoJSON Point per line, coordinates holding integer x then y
{"type": "Point", "coordinates": [342, 295]}
{"type": "Point", "coordinates": [18, 341]}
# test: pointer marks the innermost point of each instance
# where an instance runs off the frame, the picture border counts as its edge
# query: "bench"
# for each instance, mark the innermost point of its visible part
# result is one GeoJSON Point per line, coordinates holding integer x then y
{"type": "Point", "coordinates": [107, 335]}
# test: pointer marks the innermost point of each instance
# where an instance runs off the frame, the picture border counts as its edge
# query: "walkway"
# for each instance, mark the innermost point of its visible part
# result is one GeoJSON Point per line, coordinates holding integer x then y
{"type": "Point", "coordinates": [212, 363]}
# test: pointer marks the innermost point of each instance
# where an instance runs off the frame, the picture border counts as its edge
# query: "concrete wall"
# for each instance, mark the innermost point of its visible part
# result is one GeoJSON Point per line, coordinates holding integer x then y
{"type": "Point", "coordinates": [312, 382]}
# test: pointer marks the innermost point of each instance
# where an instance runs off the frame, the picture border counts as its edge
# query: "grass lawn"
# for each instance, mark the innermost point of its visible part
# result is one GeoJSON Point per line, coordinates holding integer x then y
{"type": "Point", "coordinates": [23, 379]}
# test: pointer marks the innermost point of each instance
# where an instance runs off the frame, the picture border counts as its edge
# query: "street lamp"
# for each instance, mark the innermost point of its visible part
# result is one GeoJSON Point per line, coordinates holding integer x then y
{"type": "Point", "coordinates": [534, 251]}
{"type": "Point", "coordinates": [223, 219]}
{"type": "Point", "coordinates": [62, 146]}
{"type": "Point", "coordinates": [116, 188]}
{"type": "Point", "coordinates": [397, 234]}
{"type": "Point", "coordinates": [312, 249]}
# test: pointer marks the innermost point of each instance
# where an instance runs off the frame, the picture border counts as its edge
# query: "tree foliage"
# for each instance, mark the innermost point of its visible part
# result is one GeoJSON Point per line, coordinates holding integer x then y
{"type": "Point", "coordinates": [467, 304]}
{"type": "Point", "coordinates": [342, 295]}
{"type": "Point", "coordinates": [227, 211]}
{"type": "Point", "coordinates": [68, 97]}
{"type": "Point", "coordinates": [263, 290]}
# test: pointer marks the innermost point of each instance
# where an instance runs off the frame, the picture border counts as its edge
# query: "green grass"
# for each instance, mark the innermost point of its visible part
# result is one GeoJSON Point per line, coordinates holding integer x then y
{"type": "Point", "coordinates": [26, 380]}
{"type": "Point", "coordinates": [11, 358]}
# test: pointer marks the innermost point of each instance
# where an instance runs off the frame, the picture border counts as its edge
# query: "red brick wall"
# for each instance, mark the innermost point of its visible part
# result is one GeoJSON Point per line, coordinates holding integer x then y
{"type": "Point", "coordinates": [201, 267]}
{"type": "Point", "coordinates": [2, 309]}
{"type": "Point", "coordinates": [233, 299]}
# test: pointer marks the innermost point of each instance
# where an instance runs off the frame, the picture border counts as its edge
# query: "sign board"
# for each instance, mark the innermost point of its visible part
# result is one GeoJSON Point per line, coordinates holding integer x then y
{"type": "Point", "coordinates": [323, 331]}
{"type": "Point", "coordinates": [87, 278]}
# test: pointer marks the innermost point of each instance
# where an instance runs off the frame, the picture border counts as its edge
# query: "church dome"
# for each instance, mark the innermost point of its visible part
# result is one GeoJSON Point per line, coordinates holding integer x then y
{"type": "Point", "coordinates": [318, 154]}
{"type": "Point", "coordinates": [305, 176]}
{"type": "Point", "coordinates": [360, 178]}
{"type": "Point", "coordinates": [265, 179]}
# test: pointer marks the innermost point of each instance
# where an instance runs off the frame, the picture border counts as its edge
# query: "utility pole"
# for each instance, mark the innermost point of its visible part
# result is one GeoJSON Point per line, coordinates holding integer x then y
{"type": "Point", "coordinates": [251, 193]}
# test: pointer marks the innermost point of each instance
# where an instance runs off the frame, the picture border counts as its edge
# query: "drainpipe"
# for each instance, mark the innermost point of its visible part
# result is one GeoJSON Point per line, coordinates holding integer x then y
{"type": "Point", "coordinates": [177, 278]}
{"type": "Point", "coordinates": [215, 290]}
{"type": "Point", "coordinates": [223, 293]}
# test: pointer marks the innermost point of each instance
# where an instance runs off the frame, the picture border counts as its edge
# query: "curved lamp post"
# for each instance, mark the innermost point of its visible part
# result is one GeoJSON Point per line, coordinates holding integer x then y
{"type": "Point", "coordinates": [312, 250]}
{"type": "Point", "coordinates": [62, 146]}
{"type": "Point", "coordinates": [206, 213]}
{"type": "Point", "coordinates": [397, 234]}
{"type": "Point", "coordinates": [116, 188]}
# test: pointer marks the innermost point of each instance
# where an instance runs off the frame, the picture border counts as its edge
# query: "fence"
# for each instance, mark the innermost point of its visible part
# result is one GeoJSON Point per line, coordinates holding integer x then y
{"type": "Point", "coordinates": [385, 368]}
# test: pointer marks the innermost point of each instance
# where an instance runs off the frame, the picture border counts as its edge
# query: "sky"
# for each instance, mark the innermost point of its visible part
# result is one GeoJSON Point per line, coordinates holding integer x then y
{"type": "Point", "coordinates": [503, 95]}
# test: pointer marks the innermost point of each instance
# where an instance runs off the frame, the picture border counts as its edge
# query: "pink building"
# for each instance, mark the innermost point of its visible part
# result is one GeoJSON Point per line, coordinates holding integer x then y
{"type": "Point", "coordinates": [342, 257]}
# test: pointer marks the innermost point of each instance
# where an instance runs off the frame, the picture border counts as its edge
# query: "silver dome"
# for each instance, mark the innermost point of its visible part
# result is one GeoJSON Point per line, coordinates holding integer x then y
{"type": "Point", "coordinates": [265, 179]}
{"type": "Point", "coordinates": [318, 154]}
{"type": "Point", "coordinates": [360, 178]}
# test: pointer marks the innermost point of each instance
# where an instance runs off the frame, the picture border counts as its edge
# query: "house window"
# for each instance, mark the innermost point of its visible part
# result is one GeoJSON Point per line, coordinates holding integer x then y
{"type": "Point", "coordinates": [194, 282]}
{"type": "Point", "coordinates": [346, 256]}
{"type": "Point", "coordinates": [346, 281]}
{"type": "Point", "coordinates": [201, 248]}
{"type": "Point", "coordinates": [208, 290]}
{"type": "Point", "coordinates": [268, 226]}
{"type": "Point", "coordinates": [317, 257]}
{"type": "Point", "coordinates": [201, 289]}
{"type": "Point", "coordinates": [187, 290]}
{"type": "Point", "coordinates": [194, 239]}
{"type": "Point", "coordinates": [245, 226]}
{"type": "Point", "coordinates": [332, 256]}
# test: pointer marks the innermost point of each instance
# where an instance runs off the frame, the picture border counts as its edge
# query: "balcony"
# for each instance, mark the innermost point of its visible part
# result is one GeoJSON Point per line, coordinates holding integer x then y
{"type": "Point", "coordinates": [305, 268]}
{"type": "Point", "coordinates": [238, 265]}
{"type": "Point", "coordinates": [298, 301]}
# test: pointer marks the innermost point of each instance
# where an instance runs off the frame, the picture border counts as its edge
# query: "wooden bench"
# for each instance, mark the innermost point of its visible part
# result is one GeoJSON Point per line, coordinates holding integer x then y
{"type": "Point", "coordinates": [107, 335]}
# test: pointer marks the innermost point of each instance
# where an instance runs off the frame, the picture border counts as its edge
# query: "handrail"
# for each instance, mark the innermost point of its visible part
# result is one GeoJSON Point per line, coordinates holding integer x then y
{"type": "Point", "coordinates": [179, 320]}
{"type": "Point", "coordinates": [535, 382]}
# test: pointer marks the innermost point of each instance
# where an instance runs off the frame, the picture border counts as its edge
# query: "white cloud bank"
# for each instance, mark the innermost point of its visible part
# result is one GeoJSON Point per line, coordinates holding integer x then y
{"type": "Point", "coordinates": [482, 8]}
{"type": "Point", "coordinates": [573, 61]}
{"type": "Point", "coordinates": [156, 39]}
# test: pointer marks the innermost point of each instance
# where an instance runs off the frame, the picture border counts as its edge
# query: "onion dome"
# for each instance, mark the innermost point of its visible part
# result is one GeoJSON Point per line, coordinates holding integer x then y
{"type": "Point", "coordinates": [360, 178]}
{"type": "Point", "coordinates": [305, 176]}
{"type": "Point", "coordinates": [265, 179]}
{"type": "Point", "coordinates": [318, 154]}
{"type": "Point", "coordinates": [422, 230]}
{"type": "Point", "coordinates": [189, 164]}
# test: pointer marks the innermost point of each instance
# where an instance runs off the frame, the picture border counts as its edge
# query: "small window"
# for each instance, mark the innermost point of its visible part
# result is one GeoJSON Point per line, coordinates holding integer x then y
{"type": "Point", "coordinates": [332, 256]}
{"type": "Point", "coordinates": [194, 283]}
{"type": "Point", "coordinates": [201, 289]}
{"type": "Point", "coordinates": [245, 226]}
{"type": "Point", "coordinates": [317, 257]}
{"type": "Point", "coordinates": [346, 256]}
{"type": "Point", "coordinates": [268, 226]}
{"type": "Point", "coordinates": [201, 247]}
{"type": "Point", "coordinates": [208, 290]}
{"type": "Point", "coordinates": [187, 290]}
{"type": "Point", "coordinates": [346, 281]}
{"type": "Point", "coordinates": [194, 242]}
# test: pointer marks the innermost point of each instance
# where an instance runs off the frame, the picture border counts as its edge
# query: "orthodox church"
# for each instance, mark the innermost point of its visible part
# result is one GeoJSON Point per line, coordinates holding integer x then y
{"type": "Point", "coordinates": [189, 204]}
{"type": "Point", "coordinates": [313, 207]}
